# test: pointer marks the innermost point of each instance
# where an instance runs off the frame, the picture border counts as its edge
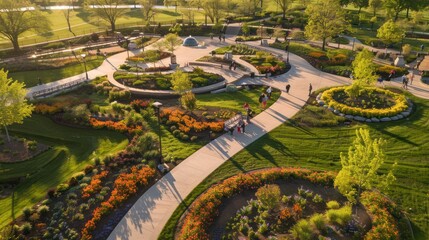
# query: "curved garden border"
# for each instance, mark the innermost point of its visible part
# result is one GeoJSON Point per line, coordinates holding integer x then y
{"type": "Point", "coordinates": [204, 209]}
{"type": "Point", "coordinates": [164, 93]}
{"type": "Point", "coordinates": [400, 110]}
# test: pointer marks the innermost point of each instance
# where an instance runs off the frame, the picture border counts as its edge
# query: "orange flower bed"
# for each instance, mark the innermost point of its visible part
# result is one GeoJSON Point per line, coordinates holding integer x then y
{"type": "Point", "coordinates": [384, 225]}
{"type": "Point", "coordinates": [94, 185]}
{"type": "Point", "coordinates": [187, 123]}
{"type": "Point", "coordinates": [116, 126]}
{"type": "Point", "coordinates": [204, 209]}
{"type": "Point", "coordinates": [125, 185]}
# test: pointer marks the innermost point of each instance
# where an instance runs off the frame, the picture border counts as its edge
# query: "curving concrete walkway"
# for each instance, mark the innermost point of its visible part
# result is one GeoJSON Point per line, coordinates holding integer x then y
{"type": "Point", "coordinates": [146, 219]}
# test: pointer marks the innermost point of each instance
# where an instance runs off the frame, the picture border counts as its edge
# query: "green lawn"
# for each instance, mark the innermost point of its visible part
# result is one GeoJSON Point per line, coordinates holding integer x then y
{"type": "Point", "coordinates": [46, 76]}
{"type": "Point", "coordinates": [72, 149]}
{"type": "Point", "coordinates": [235, 100]}
{"type": "Point", "coordinates": [83, 23]}
{"type": "Point", "coordinates": [319, 148]}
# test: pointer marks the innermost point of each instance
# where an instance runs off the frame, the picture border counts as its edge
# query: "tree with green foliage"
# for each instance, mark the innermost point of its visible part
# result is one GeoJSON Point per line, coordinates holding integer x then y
{"type": "Point", "coordinates": [269, 196]}
{"type": "Point", "coordinates": [171, 42]}
{"type": "Point", "coordinates": [176, 28]}
{"type": "Point", "coordinates": [14, 23]}
{"type": "Point", "coordinates": [363, 73]}
{"type": "Point", "coordinates": [107, 10]}
{"type": "Point", "coordinates": [364, 67]}
{"type": "Point", "coordinates": [213, 9]}
{"type": "Point", "coordinates": [374, 5]}
{"type": "Point", "coordinates": [360, 167]}
{"type": "Point", "coordinates": [360, 4]}
{"type": "Point", "coordinates": [13, 104]}
{"type": "Point", "coordinates": [390, 32]}
{"type": "Point", "coordinates": [245, 29]}
{"type": "Point", "coordinates": [148, 9]}
{"type": "Point", "coordinates": [326, 19]}
{"type": "Point", "coordinates": [188, 101]}
{"type": "Point", "coordinates": [396, 6]}
{"type": "Point", "coordinates": [283, 5]}
{"type": "Point", "coordinates": [180, 82]}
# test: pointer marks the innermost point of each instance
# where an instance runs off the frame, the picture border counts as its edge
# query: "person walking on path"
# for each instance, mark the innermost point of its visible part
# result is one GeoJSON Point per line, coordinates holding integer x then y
{"type": "Point", "coordinates": [269, 90]}
{"type": "Point", "coordinates": [223, 38]}
{"type": "Point", "coordinates": [243, 125]}
{"type": "Point", "coordinates": [404, 82]}
{"type": "Point", "coordinates": [248, 115]}
{"type": "Point", "coordinates": [261, 98]}
{"type": "Point", "coordinates": [310, 89]}
{"type": "Point", "coordinates": [411, 77]}
{"type": "Point", "coordinates": [287, 88]}
{"type": "Point", "coordinates": [264, 101]}
{"type": "Point", "coordinates": [220, 38]}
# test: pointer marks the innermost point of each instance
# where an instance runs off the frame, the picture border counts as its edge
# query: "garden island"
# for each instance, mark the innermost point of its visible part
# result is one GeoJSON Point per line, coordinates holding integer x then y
{"type": "Point", "coordinates": [214, 119]}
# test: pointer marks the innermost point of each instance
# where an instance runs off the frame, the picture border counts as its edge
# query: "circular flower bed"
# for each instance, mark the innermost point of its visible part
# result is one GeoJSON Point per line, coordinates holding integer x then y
{"type": "Point", "coordinates": [205, 209]}
{"type": "Point", "coordinates": [372, 103]}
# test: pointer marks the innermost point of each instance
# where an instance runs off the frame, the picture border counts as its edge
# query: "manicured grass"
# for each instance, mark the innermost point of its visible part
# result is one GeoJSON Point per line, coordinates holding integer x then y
{"type": "Point", "coordinates": [319, 148]}
{"type": "Point", "coordinates": [235, 100]}
{"type": "Point", "coordinates": [72, 150]}
{"type": "Point", "coordinates": [83, 23]}
{"type": "Point", "coordinates": [30, 78]}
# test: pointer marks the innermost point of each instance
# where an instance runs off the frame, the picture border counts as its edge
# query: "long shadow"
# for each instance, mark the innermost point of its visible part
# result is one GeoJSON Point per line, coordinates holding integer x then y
{"type": "Point", "coordinates": [84, 15]}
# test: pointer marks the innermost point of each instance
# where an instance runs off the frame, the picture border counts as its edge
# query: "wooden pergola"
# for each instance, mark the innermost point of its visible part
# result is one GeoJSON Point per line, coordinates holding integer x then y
{"type": "Point", "coordinates": [424, 65]}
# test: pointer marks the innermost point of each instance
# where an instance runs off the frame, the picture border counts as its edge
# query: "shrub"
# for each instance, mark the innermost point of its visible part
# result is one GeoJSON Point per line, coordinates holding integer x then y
{"type": "Point", "coordinates": [26, 212]}
{"type": "Point", "coordinates": [88, 169]}
{"type": "Point", "coordinates": [54, 45]}
{"type": "Point", "coordinates": [62, 187]}
{"type": "Point", "coordinates": [318, 221]}
{"type": "Point", "coordinates": [340, 216]}
{"type": "Point", "coordinates": [43, 210]}
{"type": "Point", "coordinates": [26, 228]}
{"type": "Point", "coordinates": [332, 205]}
{"type": "Point", "coordinates": [317, 198]}
{"type": "Point", "coordinates": [51, 193]}
{"type": "Point", "coordinates": [269, 196]}
{"type": "Point", "coordinates": [302, 230]}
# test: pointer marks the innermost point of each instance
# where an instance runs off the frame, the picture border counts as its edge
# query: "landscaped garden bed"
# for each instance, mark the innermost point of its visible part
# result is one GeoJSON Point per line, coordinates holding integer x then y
{"type": "Point", "coordinates": [150, 56]}
{"type": "Point", "coordinates": [304, 206]}
{"type": "Point", "coordinates": [237, 49]}
{"type": "Point", "coordinates": [371, 105]}
{"type": "Point", "coordinates": [19, 149]}
{"type": "Point", "coordinates": [159, 81]}
{"type": "Point", "coordinates": [267, 63]}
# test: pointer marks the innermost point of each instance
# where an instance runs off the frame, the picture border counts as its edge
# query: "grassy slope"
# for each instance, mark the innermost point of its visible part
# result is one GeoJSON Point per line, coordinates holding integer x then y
{"type": "Point", "coordinates": [30, 78]}
{"type": "Point", "coordinates": [83, 23]}
{"type": "Point", "coordinates": [319, 148]}
{"type": "Point", "coordinates": [72, 149]}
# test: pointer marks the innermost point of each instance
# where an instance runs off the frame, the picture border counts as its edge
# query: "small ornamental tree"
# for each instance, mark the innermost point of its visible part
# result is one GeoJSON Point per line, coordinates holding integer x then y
{"type": "Point", "coordinates": [363, 73]}
{"type": "Point", "coordinates": [171, 42]}
{"type": "Point", "coordinates": [13, 104]}
{"type": "Point", "coordinates": [360, 167]}
{"type": "Point", "coordinates": [390, 33]}
{"type": "Point", "coordinates": [182, 85]}
{"type": "Point", "coordinates": [269, 196]}
{"type": "Point", "coordinates": [188, 101]}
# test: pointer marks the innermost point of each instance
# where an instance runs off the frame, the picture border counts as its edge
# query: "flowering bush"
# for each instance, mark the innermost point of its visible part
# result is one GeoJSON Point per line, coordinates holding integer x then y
{"type": "Point", "coordinates": [117, 126]}
{"type": "Point", "coordinates": [187, 123]}
{"type": "Point", "coordinates": [125, 185]}
{"type": "Point", "coordinates": [400, 106]}
{"type": "Point", "coordinates": [384, 225]}
{"type": "Point", "coordinates": [139, 104]}
{"type": "Point", "coordinates": [94, 185]}
{"type": "Point", "coordinates": [204, 209]}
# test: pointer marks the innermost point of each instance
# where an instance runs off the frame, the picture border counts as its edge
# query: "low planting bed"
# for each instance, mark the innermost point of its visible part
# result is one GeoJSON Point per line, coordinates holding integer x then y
{"type": "Point", "coordinates": [290, 202]}
{"type": "Point", "coordinates": [150, 56]}
{"type": "Point", "coordinates": [267, 63]}
{"type": "Point", "coordinates": [158, 81]}
{"type": "Point", "coordinates": [238, 49]}
{"type": "Point", "coordinates": [372, 105]}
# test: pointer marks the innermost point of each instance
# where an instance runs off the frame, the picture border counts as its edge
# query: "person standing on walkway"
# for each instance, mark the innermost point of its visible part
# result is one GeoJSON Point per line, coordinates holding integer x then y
{"type": "Point", "coordinates": [261, 98]}
{"type": "Point", "coordinates": [223, 38]}
{"type": "Point", "coordinates": [404, 80]}
{"type": "Point", "coordinates": [269, 90]}
{"type": "Point", "coordinates": [287, 88]}
{"type": "Point", "coordinates": [411, 77]}
{"type": "Point", "coordinates": [243, 125]}
{"type": "Point", "coordinates": [264, 101]}
{"type": "Point", "coordinates": [220, 38]}
{"type": "Point", "coordinates": [248, 115]}
{"type": "Point", "coordinates": [310, 89]}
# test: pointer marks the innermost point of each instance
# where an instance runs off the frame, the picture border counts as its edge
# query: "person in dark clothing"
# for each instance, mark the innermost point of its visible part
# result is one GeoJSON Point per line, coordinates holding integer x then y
{"type": "Point", "coordinates": [287, 88]}
{"type": "Point", "coordinates": [310, 89]}
{"type": "Point", "coordinates": [248, 115]}
{"type": "Point", "coordinates": [231, 130]}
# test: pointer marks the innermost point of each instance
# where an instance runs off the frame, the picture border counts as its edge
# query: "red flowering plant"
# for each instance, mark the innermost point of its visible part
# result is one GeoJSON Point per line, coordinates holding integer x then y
{"type": "Point", "coordinates": [125, 186]}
